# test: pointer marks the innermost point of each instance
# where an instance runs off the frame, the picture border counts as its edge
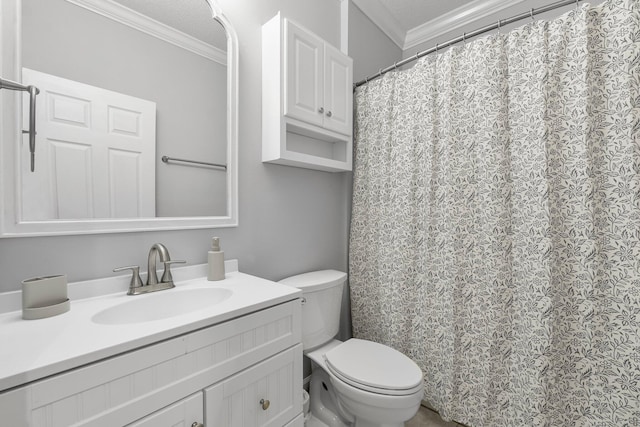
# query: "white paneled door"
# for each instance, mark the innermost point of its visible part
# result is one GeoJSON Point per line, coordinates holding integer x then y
{"type": "Point", "coordinates": [95, 153]}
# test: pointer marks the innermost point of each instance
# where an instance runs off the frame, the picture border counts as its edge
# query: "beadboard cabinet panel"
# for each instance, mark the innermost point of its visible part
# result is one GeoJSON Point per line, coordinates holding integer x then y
{"type": "Point", "coordinates": [258, 396]}
{"type": "Point", "coordinates": [125, 388]}
{"type": "Point", "coordinates": [184, 413]}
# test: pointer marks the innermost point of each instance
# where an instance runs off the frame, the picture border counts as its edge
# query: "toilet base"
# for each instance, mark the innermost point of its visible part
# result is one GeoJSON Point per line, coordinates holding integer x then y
{"type": "Point", "coordinates": [314, 422]}
{"type": "Point", "coordinates": [324, 411]}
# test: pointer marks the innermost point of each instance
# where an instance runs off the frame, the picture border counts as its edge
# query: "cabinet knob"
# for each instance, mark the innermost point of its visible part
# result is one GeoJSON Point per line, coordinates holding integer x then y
{"type": "Point", "coordinates": [197, 424]}
{"type": "Point", "coordinates": [321, 110]}
{"type": "Point", "coordinates": [265, 404]}
{"type": "Point", "coordinates": [328, 113]}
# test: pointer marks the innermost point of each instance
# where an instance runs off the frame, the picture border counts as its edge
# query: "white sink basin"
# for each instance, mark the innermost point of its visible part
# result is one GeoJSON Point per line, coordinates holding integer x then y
{"type": "Point", "coordinates": [161, 305]}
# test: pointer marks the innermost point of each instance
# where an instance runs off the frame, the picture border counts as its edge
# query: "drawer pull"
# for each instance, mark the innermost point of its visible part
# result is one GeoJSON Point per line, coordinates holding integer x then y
{"type": "Point", "coordinates": [197, 424]}
{"type": "Point", "coordinates": [265, 404]}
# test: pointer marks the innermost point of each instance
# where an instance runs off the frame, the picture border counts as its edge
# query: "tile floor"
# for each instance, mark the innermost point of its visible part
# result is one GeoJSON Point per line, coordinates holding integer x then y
{"type": "Point", "coordinates": [428, 418]}
{"type": "Point", "coordinates": [424, 418]}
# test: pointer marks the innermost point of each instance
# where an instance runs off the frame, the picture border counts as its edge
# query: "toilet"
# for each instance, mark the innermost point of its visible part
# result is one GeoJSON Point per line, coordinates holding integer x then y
{"type": "Point", "coordinates": [356, 382]}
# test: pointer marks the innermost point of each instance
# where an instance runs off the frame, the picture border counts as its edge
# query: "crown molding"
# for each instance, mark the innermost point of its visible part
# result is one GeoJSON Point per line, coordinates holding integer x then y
{"type": "Point", "coordinates": [135, 20]}
{"type": "Point", "coordinates": [455, 19]}
{"type": "Point", "coordinates": [380, 16]}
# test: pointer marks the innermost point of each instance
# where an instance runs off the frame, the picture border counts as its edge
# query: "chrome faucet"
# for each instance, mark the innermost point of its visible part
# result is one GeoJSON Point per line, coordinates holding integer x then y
{"type": "Point", "coordinates": [166, 282]}
{"type": "Point", "coordinates": [157, 249]}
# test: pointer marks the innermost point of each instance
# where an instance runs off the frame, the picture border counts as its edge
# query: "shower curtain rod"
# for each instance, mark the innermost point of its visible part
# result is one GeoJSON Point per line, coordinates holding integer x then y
{"type": "Point", "coordinates": [533, 12]}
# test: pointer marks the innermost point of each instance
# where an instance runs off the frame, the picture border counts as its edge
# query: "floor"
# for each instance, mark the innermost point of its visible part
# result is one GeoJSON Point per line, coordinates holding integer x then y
{"type": "Point", "coordinates": [424, 418]}
{"type": "Point", "coordinates": [428, 418]}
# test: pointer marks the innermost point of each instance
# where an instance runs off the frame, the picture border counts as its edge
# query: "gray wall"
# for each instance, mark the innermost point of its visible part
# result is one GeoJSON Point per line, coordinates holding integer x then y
{"type": "Point", "coordinates": [69, 41]}
{"type": "Point", "coordinates": [370, 48]}
{"type": "Point", "coordinates": [291, 220]}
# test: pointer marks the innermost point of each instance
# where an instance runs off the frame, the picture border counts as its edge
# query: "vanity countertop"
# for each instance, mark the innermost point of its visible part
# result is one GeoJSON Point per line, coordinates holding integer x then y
{"type": "Point", "coordinates": [34, 349]}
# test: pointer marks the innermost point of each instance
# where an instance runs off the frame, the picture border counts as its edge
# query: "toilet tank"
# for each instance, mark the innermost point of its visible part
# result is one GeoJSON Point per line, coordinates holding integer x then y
{"type": "Point", "coordinates": [321, 303]}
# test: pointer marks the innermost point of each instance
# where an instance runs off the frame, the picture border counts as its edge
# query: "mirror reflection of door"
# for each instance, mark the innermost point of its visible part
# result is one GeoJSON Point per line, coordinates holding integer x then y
{"type": "Point", "coordinates": [96, 151]}
{"type": "Point", "coordinates": [170, 53]}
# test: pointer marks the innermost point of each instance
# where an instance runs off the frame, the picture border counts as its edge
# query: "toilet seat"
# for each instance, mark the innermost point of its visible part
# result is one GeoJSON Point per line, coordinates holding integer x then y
{"type": "Point", "coordinates": [374, 367]}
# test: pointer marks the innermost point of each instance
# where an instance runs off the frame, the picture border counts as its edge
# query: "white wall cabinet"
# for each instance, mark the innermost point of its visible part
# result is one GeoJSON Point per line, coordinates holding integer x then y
{"type": "Point", "coordinates": [307, 99]}
{"type": "Point", "coordinates": [226, 368]}
{"type": "Point", "coordinates": [318, 80]}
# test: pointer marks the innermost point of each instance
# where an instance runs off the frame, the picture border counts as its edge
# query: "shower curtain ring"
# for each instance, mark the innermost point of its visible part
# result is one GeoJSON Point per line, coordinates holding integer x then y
{"type": "Point", "coordinates": [532, 18]}
{"type": "Point", "coordinates": [577, 4]}
{"type": "Point", "coordinates": [395, 65]}
{"type": "Point", "coordinates": [417, 53]}
{"type": "Point", "coordinates": [380, 72]}
{"type": "Point", "coordinates": [464, 38]}
{"type": "Point", "coordinates": [437, 49]}
{"type": "Point", "coordinates": [499, 25]}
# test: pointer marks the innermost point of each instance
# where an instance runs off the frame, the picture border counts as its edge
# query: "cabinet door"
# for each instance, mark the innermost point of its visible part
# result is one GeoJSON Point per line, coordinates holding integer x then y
{"type": "Point", "coordinates": [338, 91]}
{"type": "Point", "coordinates": [267, 394]}
{"type": "Point", "coordinates": [303, 75]}
{"type": "Point", "coordinates": [181, 414]}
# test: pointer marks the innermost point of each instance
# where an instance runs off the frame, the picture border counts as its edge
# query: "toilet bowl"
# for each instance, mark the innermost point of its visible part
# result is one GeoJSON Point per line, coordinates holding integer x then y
{"type": "Point", "coordinates": [356, 382]}
{"type": "Point", "coordinates": [373, 384]}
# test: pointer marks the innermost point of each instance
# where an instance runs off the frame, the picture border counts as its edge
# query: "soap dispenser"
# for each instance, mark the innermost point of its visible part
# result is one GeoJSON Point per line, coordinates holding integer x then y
{"type": "Point", "coordinates": [216, 261]}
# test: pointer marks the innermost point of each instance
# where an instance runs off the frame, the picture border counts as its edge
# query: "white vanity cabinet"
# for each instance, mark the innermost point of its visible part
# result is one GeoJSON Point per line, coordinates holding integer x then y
{"type": "Point", "coordinates": [219, 375]}
{"type": "Point", "coordinates": [307, 99]}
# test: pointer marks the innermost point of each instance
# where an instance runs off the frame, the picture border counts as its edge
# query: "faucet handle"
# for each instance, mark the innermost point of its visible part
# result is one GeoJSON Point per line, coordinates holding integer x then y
{"type": "Point", "coordinates": [135, 277]}
{"type": "Point", "coordinates": [166, 276]}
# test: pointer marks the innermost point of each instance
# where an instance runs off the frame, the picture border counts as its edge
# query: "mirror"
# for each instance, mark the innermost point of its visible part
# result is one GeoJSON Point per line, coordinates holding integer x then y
{"type": "Point", "coordinates": [123, 84]}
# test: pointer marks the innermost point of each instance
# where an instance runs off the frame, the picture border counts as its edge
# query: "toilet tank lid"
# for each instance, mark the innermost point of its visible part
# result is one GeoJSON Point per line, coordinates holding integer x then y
{"type": "Point", "coordinates": [316, 280]}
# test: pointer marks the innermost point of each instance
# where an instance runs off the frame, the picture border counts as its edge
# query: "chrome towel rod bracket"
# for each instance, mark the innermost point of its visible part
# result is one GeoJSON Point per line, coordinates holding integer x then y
{"type": "Point", "coordinates": [33, 91]}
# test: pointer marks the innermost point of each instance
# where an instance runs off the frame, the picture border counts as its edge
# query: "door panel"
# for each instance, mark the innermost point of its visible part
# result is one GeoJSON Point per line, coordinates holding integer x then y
{"type": "Point", "coordinates": [338, 99]}
{"type": "Point", "coordinates": [303, 75]}
{"type": "Point", "coordinates": [267, 394]}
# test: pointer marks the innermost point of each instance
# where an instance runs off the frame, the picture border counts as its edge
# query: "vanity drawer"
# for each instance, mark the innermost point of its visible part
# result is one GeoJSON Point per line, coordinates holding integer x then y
{"type": "Point", "coordinates": [125, 388]}
{"type": "Point", "coordinates": [265, 395]}
{"type": "Point", "coordinates": [186, 412]}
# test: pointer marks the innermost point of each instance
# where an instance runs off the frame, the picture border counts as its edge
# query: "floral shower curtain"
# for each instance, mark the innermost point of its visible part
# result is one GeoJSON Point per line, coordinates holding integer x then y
{"type": "Point", "coordinates": [495, 234]}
